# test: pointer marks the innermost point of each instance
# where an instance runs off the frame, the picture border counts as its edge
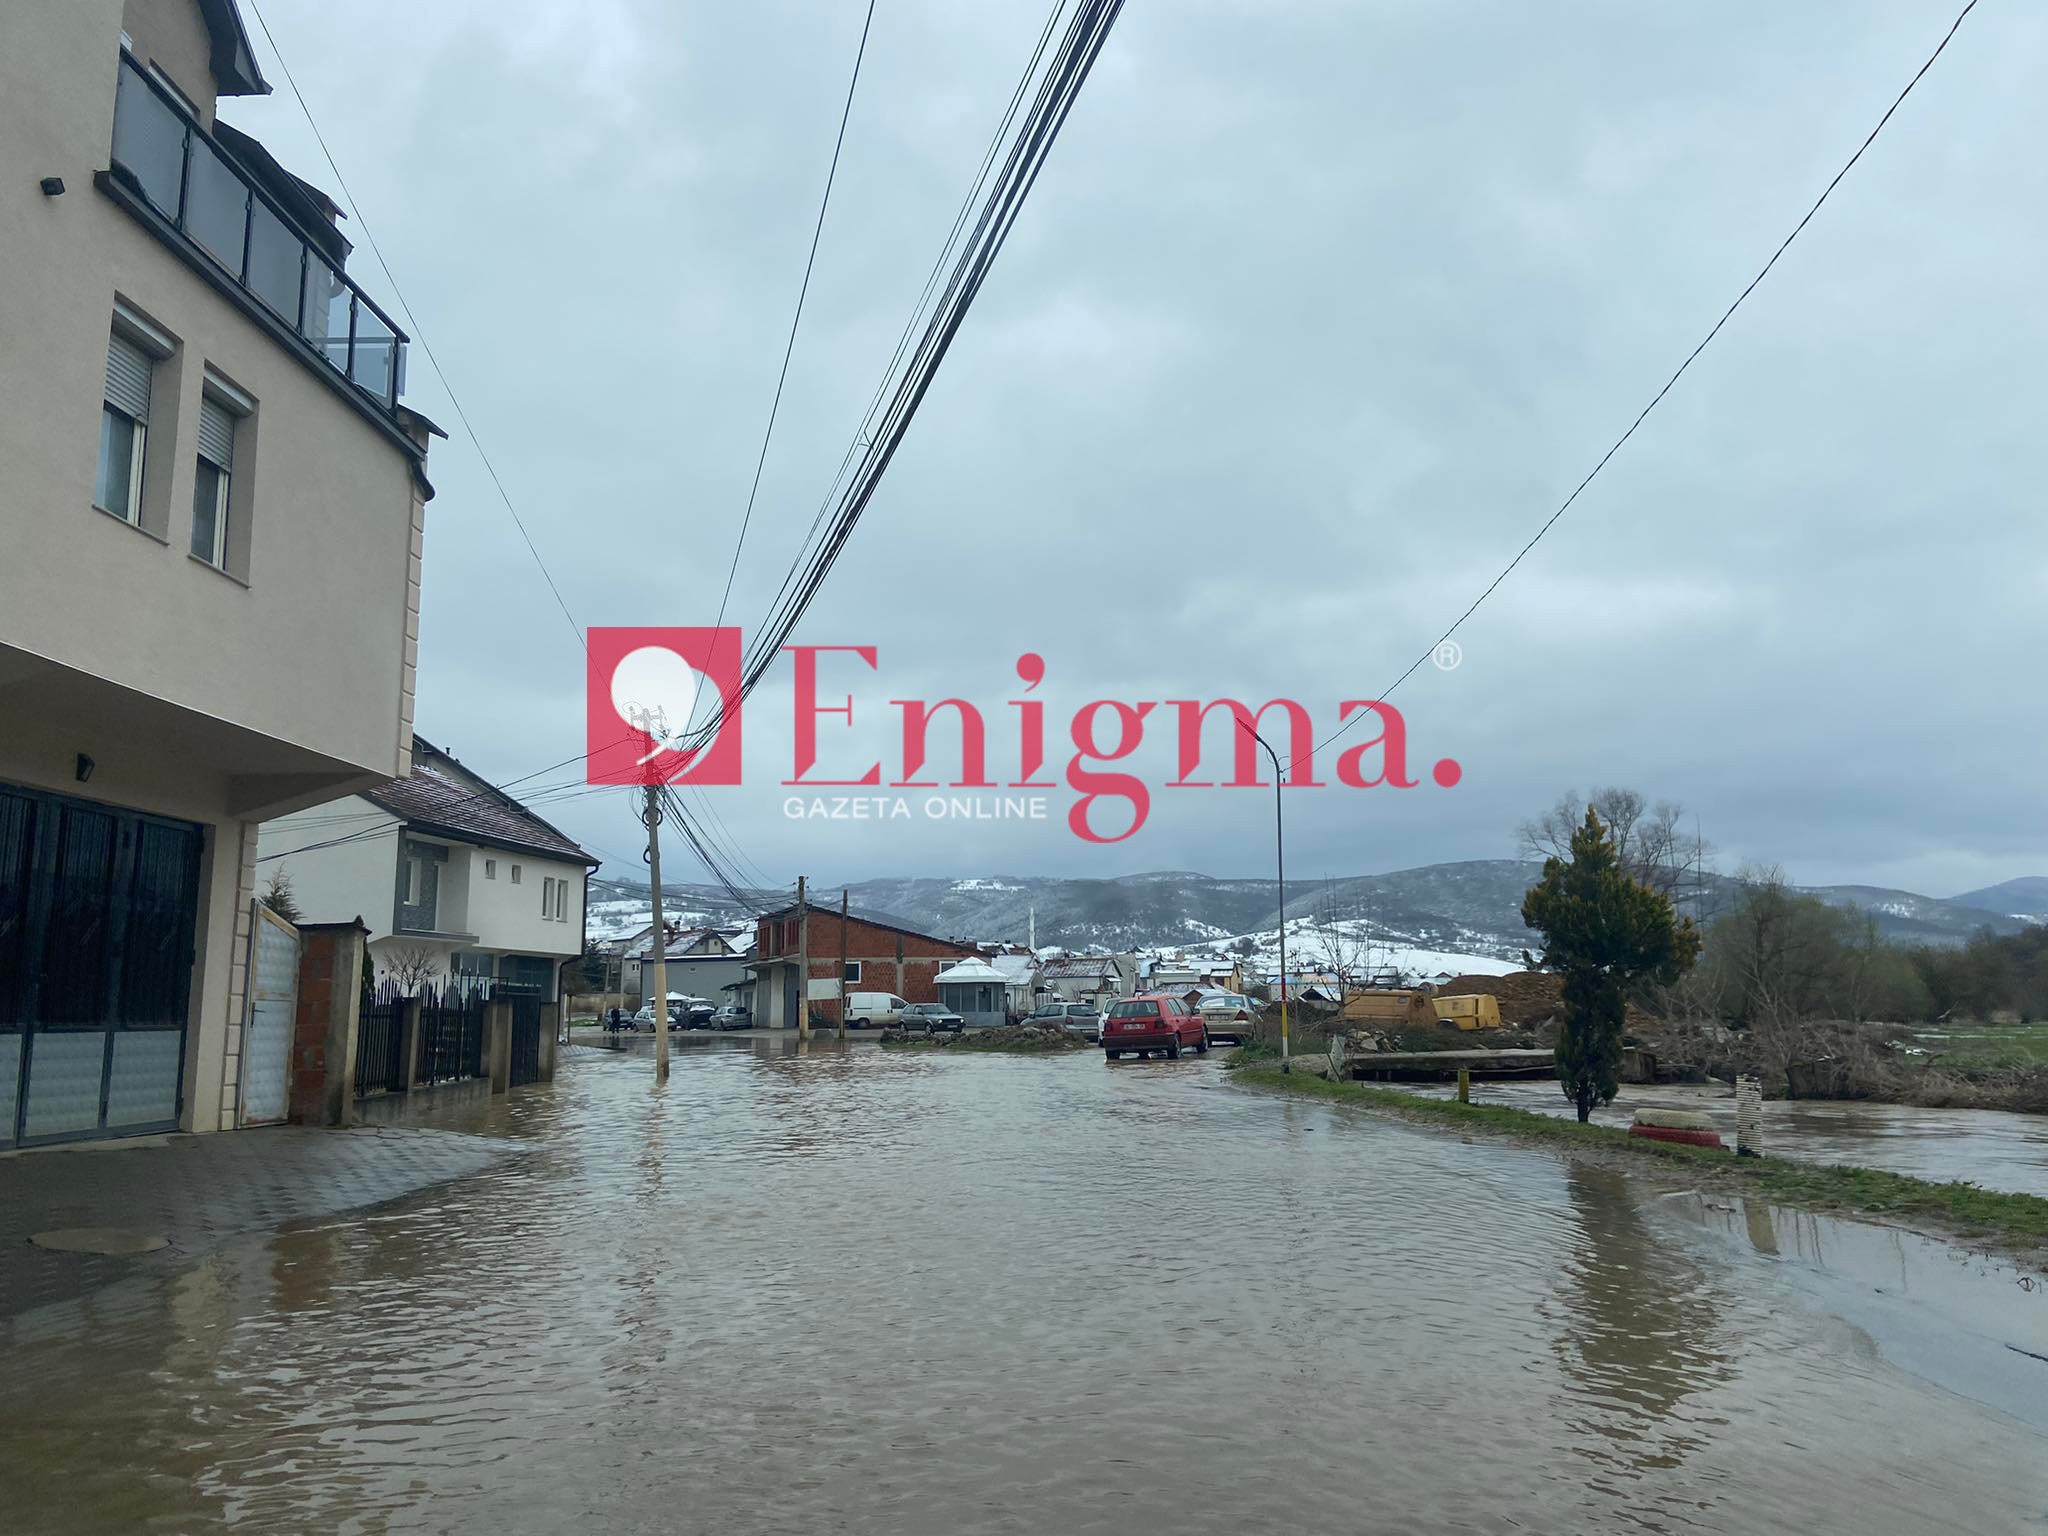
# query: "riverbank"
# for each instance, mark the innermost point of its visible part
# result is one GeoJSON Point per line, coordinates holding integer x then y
{"type": "Point", "coordinates": [2014, 1223]}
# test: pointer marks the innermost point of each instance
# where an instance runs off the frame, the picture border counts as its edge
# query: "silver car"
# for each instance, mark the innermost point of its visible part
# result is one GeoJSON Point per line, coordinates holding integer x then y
{"type": "Point", "coordinates": [1075, 1018]}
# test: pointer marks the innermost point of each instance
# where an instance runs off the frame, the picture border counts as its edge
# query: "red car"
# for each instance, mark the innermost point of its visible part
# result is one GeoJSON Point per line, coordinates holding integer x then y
{"type": "Point", "coordinates": [1152, 1021]}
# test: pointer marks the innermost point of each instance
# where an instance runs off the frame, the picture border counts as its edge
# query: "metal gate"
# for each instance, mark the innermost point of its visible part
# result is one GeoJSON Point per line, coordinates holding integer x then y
{"type": "Point", "coordinates": [98, 912]}
{"type": "Point", "coordinates": [524, 982]}
{"type": "Point", "coordinates": [525, 1063]}
{"type": "Point", "coordinates": [273, 1011]}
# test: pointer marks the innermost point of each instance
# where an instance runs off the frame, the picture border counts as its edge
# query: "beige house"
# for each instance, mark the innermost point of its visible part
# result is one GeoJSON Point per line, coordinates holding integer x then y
{"type": "Point", "coordinates": [211, 507]}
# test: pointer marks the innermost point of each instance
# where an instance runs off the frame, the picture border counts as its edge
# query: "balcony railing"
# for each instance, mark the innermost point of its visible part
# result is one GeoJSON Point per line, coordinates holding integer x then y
{"type": "Point", "coordinates": [200, 190]}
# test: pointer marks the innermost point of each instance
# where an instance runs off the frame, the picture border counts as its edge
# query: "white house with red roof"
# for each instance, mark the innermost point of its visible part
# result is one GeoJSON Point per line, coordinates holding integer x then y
{"type": "Point", "coordinates": [452, 877]}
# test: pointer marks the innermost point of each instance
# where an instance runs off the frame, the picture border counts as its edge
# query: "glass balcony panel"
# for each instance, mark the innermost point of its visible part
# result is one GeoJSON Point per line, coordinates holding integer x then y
{"type": "Point", "coordinates": [376, 352]}
{"type": "Point", "coordinates": [216, 206]}
{"type": "Point", "coordinates": [149, 142]}
{"type": "Point", "coordinates": [274, 262]}
{"type": "Point", "coordinates": [326, 312]}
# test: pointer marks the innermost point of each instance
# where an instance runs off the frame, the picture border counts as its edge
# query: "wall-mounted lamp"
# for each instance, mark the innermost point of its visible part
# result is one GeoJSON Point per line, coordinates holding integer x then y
{"type": "Point", "coordinates": [85, 767]}
{"type": "Point", "coordinates": [53, 186]}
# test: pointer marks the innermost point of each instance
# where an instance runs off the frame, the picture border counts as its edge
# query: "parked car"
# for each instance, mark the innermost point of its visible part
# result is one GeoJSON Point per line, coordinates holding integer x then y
{"type": "Point", "coordinates": [644, 1019]}
{"type": "Point", "coordinates": [697, 1013]}
{"type": "Point", "coordinates": [730, 1017]}
{"type": "Point", "coordinates": [873, 1010]}
{"type": "Point", "coordinates": [1228, 1014]}
{"type": "Point", "coordinates": [932, 1018]}
{"type": "Point", "coordinates": [1152, 1023]}
{"type": "Point", "coordinates": [1075, 1018]}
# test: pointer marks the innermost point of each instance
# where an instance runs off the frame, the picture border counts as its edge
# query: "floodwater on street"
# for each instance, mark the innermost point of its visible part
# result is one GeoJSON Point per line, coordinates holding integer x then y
{"type": "Point", "coordinates": [855, 1290]}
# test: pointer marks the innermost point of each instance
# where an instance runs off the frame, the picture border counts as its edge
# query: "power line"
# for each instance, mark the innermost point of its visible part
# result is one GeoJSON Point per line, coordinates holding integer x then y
{"type": "Point", "coordinates": [789, 347]}
{"type": "Point", "coordinates": [862, 435]}
{"type": "Point", "coordinates": [486, 793]}
{"type": "Point", "coordinates": [1677, 374]}
{"type": "Point", "coordinates": [1057, 91]}
{"type": "Point", "coordinates": [418, 334]}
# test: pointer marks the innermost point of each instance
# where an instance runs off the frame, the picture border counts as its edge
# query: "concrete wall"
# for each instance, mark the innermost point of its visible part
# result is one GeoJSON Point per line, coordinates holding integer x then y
{"type": "Point", "coordinates": [330, 504]}
{"type": "Point", "coordinates": [704, 976]}
{"type": "Point", "coordinates": [171, 34]}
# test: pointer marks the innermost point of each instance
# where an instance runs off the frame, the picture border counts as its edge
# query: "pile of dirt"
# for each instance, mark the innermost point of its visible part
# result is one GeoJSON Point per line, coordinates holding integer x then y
{"type": "Point", "coordinates": [1525, 997]}
{"type": "Point", "coordinates": [1529, 1000]}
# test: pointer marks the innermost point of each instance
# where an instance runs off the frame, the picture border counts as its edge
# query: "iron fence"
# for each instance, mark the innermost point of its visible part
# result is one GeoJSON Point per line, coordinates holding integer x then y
{"type": "Point", "coordinates": [451, 1034]}
{"type": "Point", "coordinates": [380, 1041]}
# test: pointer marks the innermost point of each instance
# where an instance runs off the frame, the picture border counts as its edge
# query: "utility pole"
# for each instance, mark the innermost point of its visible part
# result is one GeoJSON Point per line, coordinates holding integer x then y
{"type": "Point", "coordinates": [652, 816]}
{"type": "Point", "coordinates": [844, 957]}
{"type": "Point", "coordinates": [803, 966]}
{"type": "Point", "coordinates": [1280, 856]}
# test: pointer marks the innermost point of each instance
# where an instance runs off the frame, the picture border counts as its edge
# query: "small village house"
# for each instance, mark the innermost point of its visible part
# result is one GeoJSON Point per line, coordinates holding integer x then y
{"type": "Point", "coordinates": [871, 956]}
{"type": "Point", "coordinates": [1093, 979]}
{"type": "Point", "coordinates": [700, 962]}
{"type": "Point", "coordinates": [456, 881]}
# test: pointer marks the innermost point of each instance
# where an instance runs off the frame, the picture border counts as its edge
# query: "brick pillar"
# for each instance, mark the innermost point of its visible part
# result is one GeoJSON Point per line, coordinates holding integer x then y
{"type": "Point", "coordinates": [498, 1045]}
{"type": "Point", "coordinates": [550, 1025]}
{"type": "Point", "coordinates": [411, 1047]}
{"type": "Point", "coordinates": [323, 1060]}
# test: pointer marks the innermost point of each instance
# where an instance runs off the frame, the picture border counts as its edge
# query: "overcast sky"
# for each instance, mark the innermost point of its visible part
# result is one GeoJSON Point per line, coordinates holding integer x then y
{"type": "Point", "coordinates": [1318, 310]}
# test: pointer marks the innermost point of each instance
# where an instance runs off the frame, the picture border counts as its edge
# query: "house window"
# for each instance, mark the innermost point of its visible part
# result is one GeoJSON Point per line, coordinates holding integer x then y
{"type": "Point", "coordinates": [490, 869]}
{"type": "Point", "coordinates": [850, 972]}
{"type": "Point", "coordinates": [124, 429]}
{"type": "Point", "coordinates": [212, 481]}
{"type": "Point", "coordinates": [515, 874]}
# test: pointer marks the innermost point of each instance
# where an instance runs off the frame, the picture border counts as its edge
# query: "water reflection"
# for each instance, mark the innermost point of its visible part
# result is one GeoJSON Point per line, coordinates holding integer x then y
{"type": "Point", "coordinates": [1638, 1335]}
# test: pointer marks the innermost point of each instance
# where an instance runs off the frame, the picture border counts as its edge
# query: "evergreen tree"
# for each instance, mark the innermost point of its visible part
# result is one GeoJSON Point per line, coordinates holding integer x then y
{"type": "Point", "coordinates": [1602, 931]}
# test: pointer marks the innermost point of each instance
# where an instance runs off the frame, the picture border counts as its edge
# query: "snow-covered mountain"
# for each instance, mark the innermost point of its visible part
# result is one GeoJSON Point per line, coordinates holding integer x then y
{"type": "Point", "coordinates": [1469, 909]}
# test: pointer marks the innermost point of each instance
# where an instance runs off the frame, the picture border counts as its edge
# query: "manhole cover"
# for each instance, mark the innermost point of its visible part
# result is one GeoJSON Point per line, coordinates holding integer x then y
{"type": "Point", "coordinates": [121, 1241]}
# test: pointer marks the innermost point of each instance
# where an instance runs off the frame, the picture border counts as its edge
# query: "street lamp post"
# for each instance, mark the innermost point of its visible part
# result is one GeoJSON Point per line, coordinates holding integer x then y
{"type": "Point", "coordinates": [1280, 859]}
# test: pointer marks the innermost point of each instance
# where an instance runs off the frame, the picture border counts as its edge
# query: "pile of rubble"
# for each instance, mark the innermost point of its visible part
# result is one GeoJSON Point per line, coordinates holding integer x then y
{"type": "Point", "coordinates": [1004, 1037]}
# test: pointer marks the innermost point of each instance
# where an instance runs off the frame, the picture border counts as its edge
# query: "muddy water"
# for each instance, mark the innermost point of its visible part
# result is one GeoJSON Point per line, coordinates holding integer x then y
{"type": "Point", "coordinates": [1989, 1147]}
{"type": "Point", "coordinates": [864, 1292]}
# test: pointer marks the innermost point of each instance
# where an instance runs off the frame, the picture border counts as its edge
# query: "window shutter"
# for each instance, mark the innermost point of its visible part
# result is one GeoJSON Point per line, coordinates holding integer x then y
{"type": "Point", "coordinates": [128, 369]}
{"type": "Point", "coordinates": [216, 433]}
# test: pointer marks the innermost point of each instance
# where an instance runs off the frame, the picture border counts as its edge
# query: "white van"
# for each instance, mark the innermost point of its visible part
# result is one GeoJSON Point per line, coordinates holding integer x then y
{"type": "Point", "coordinates": [873, 1010]}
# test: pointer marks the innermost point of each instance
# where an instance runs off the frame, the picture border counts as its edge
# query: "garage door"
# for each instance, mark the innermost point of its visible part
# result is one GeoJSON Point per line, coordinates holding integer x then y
{"type": "Point", "coordinates": [98, 911]}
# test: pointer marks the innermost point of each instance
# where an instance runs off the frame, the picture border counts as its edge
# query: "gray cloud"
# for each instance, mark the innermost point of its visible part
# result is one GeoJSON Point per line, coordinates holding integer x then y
{"type": "Point", "coordinates": [1317, 311]}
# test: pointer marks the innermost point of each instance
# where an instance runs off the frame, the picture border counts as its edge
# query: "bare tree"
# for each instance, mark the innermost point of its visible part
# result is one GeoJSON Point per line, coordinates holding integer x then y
{"type": "Point", "coordinates": [1340, 945]}
{"type": "Point", "coordinates": [1651, 841]}
{"type": "Point", "coordinates": [411, 968]}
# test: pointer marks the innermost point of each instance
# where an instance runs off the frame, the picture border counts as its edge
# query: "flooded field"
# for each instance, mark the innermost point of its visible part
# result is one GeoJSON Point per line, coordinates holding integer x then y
{"type": "Point", "coordinates": [1991, 1147]}
{"type": "Point", "coordinates": [858, 1291]}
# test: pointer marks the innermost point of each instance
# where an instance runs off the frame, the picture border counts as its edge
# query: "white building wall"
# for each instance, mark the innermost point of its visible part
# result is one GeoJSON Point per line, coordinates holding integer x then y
{"type": "Point", "coordinates": [356, 878]}
{"type": "Point", "coordinates": [507, 917]}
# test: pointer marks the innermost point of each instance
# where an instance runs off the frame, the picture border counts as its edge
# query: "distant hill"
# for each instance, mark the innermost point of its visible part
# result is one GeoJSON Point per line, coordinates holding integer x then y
{"type": "Point", "coordinates": [2025, 898]}
{"type": "Point", "coordinates": [1472, 907]}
